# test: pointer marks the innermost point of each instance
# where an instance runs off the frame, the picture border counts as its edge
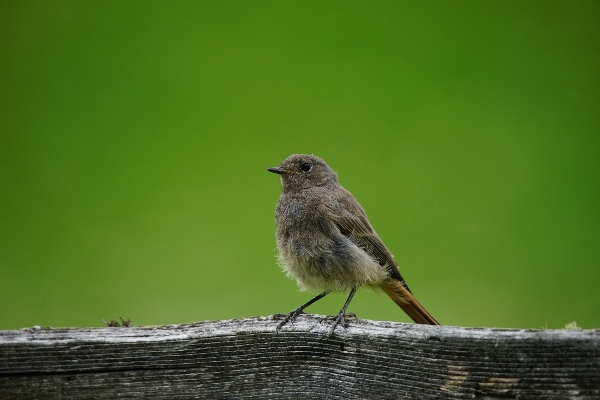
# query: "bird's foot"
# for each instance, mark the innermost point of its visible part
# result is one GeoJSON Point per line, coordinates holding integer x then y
{"type": "Point", "coordinates": [341, 319]}
{"type": "Point", "coordinates": [288, 318]}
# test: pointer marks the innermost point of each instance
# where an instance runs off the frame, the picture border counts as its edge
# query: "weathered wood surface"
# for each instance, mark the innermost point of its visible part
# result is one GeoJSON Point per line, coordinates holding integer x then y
{"type": "Point", "coordinates": [245, 359]}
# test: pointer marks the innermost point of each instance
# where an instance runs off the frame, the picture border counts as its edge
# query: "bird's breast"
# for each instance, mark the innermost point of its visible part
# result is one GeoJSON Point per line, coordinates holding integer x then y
{"type": "Point", "coordinates": [314, 252]}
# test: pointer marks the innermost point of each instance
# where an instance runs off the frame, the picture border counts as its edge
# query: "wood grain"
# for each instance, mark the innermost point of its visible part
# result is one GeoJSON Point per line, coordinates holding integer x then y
{"type": "Point", "coordinates": [245, 359]}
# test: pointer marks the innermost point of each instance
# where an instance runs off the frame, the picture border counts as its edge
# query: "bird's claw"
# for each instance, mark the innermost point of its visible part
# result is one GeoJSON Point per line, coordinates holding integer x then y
{"type": "Point", "coordinates": [288, 318]}
{"type": "Point", "coordinates": [341, 319]}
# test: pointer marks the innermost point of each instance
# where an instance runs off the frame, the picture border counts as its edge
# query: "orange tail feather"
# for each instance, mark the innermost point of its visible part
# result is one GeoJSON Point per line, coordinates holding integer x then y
{"type": "Point", "coordinates": [407, 302]}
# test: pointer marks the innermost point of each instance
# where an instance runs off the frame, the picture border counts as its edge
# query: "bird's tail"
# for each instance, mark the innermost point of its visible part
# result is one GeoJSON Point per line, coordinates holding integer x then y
{"type": "Point", "coordinates": [407, 302]}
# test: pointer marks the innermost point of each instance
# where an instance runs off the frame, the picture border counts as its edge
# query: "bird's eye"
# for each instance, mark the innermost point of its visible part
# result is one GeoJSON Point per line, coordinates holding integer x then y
{"type": "Point", "coordinates": [305, 167]}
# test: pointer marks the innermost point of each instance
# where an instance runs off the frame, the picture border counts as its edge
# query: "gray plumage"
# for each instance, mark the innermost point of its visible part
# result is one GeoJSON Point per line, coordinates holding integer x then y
{"type": "Point", "coordinates": [325, 240]}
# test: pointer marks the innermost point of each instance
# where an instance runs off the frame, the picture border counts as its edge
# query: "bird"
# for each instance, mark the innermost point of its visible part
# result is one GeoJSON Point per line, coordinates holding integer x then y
{"type": "Point", "coordinates": [327, 244]}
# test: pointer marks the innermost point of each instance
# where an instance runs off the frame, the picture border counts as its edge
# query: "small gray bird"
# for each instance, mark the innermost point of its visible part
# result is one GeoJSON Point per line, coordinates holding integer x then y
{"type": "Point", "coordinates": [327, 244]}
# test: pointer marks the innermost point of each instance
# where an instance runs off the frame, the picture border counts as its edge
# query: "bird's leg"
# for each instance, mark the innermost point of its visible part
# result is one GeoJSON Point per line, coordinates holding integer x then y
{"type": "Point", "coordinates": [292, 316]}
{"type": "Point", "coordinates": [341, 317]}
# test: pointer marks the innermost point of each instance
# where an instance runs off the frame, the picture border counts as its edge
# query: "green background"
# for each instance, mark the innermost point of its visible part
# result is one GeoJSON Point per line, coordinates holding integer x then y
{"type": "Point", "coordinates": [135, 137]}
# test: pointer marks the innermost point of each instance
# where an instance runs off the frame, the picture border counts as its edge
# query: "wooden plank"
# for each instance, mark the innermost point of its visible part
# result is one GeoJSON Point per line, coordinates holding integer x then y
{"type": "Point", "coordinates": [246, 359]}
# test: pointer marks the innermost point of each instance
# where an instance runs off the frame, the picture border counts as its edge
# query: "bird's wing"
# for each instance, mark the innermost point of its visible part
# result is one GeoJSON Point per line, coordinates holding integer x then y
{"type": "Point", "coordinates": [352, 222]}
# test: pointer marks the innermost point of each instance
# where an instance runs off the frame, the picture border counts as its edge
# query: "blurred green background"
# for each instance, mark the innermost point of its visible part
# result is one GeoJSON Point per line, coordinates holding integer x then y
{"type": "Point", "coordinates": [135, 137]}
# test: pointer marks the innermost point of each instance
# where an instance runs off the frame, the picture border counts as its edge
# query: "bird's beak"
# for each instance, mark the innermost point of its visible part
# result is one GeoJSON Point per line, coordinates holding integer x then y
{"type": "Point", "coordinates": [277, 170]}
